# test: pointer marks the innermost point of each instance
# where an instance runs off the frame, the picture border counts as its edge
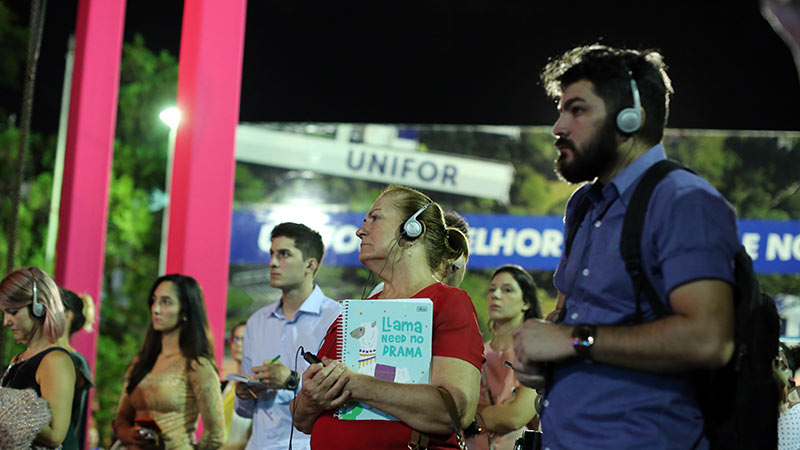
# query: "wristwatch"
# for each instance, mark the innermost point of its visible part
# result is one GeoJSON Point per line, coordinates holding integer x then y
{"type": "Point", "coordinates": [475, 428]}
{"type": "Point", "coordinates": [583, 336]}
{"type": "Point", "coordinates": [292, 381]}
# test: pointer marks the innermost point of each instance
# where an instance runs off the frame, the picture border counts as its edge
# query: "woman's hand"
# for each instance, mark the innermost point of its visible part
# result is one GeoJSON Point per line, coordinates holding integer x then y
{"type": "Point", "coordinates": [323, 389]}
{"type": "Point", "coordinates": [138, 437]}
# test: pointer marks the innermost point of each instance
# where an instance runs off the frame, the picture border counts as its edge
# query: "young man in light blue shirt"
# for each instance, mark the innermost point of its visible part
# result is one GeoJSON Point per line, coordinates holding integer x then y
{"type": "Point", "coordinates": [275, 332]}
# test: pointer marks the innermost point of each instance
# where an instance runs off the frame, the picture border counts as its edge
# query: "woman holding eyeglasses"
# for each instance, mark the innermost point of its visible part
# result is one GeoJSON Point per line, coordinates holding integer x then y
{"type": "Point", "coordinates": [32, 308]}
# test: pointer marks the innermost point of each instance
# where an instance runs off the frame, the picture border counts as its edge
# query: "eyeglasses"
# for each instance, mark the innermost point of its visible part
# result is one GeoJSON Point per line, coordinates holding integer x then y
{"type": "Point", "coordinates": [236, 340]}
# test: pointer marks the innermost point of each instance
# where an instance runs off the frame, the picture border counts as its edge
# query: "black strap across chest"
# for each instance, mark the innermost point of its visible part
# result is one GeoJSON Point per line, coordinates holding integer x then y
{"type": "Point", "coordinates": [631, 237]}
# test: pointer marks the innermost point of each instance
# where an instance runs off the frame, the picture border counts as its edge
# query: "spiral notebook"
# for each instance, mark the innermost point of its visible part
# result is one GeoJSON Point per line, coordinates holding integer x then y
{"type": "Point", "coordinates": [389, 339]}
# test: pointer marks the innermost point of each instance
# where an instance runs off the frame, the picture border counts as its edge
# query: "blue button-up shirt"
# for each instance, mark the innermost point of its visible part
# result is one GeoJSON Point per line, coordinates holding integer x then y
{"type": "Point", "coordinates": [689, 234]}
{"type": "Point", "coordinates": [268, 334]}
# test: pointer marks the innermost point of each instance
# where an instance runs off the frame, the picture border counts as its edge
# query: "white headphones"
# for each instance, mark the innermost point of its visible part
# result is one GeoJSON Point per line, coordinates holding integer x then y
{"type": "Point", "coordinates": [36, 308]}
{"type": "Point", "coordinates": [413, 228]}
{"type": "Point", "coordinates": [629, 120]}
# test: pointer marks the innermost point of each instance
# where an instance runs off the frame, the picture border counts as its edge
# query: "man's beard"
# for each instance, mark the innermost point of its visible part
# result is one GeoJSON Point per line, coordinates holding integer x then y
{"type": "Point", "coordinates": [595, 158]}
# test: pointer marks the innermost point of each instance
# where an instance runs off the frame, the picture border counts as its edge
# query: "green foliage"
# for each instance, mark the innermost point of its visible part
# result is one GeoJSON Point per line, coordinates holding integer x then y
{"type": "Point", "coordinates": [13, 47]}
{"type": "Point", "coordinates": [113, 359]}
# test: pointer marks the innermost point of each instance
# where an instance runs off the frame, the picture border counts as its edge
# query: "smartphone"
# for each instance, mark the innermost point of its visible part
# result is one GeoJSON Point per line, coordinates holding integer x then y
{"type": "Point", "coordinates": [311, 358]}
{"type": "Point", "coordinates": [149, 428]}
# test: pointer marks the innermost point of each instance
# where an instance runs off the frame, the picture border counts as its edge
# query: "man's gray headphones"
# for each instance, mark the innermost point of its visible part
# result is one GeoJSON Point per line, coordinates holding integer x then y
{"type": "Point", "coordinates": [413, 228]}
{"type": "Point", "coordinates": [37, 309]}
{"type": "Point", "coordinates": [629, 120]}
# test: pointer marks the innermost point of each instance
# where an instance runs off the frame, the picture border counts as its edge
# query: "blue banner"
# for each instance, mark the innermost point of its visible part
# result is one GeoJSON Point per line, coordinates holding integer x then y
{"type": "Point", "coordinates": [533, 242]}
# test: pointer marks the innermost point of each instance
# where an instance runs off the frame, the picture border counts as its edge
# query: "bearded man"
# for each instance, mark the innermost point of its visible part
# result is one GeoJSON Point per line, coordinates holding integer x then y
{"type": "Point", "coordinates": [617, 377]}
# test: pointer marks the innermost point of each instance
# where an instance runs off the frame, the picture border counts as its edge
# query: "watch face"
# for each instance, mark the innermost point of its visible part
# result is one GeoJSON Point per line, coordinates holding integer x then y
{"type": "Point", "coordinates": [583, 339]}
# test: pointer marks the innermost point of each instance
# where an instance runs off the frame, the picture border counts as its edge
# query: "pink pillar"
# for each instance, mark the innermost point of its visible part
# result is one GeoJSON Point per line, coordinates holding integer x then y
{"type": "Point", "coordinates": [209, 83]}
{"type": "Point", "coordinates": [80, 254]}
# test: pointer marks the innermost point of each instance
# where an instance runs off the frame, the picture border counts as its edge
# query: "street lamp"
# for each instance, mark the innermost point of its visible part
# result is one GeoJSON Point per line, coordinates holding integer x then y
{"type": "Point", "coordinates": [172, 117]}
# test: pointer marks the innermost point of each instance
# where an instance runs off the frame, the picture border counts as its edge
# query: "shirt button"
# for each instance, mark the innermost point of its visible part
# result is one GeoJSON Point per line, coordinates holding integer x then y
{"type": "Point", "coordinates": [574, 316]}
{"type": "Point", "coordinates": [585, 272]}
{"type": "Point", "coordinates": [546, 403]}
{"type": "Point", "coordinates": [597, 224]}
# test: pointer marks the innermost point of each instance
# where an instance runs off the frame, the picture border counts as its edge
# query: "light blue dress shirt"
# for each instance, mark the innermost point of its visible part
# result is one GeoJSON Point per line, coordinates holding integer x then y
{"type": "Point", "coordinates": [268, 334]}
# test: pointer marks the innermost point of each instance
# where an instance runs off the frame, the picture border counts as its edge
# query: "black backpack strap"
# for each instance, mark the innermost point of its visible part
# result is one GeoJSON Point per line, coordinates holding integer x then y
{"type": "Point", "coordinates": [631, 240]}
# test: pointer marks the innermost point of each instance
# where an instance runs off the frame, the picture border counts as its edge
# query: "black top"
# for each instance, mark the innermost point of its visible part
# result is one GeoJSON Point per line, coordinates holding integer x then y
{"type": "Point", "coordinates": [22, 375]}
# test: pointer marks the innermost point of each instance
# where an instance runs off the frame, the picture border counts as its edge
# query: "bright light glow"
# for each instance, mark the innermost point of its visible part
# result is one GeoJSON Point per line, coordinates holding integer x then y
{"type": "Point", "coordinates": [171, 116]}
{"type": "Point", "coordinates": [300, 212]}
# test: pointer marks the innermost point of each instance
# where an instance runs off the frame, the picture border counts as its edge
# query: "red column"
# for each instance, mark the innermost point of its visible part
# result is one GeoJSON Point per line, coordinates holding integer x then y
{"type": "Point", "coordinates": [80, 252]}
{"type": "Point", "coordinates": [209, 83]}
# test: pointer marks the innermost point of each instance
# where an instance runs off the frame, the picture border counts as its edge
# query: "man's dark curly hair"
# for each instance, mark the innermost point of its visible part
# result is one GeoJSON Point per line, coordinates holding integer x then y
{"type": "Point", "coordinates": [608, 69]}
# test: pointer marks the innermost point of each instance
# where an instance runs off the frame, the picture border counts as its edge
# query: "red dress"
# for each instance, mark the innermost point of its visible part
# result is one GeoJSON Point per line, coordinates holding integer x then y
{"type": "Point", "coordinates": [455, 334]}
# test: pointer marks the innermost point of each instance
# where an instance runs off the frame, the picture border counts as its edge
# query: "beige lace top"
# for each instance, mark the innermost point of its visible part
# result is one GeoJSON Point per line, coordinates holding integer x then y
{"type": "Point", "coordinates": [22, 416]}
{"type": "Point", "coordinates": [175, 398]}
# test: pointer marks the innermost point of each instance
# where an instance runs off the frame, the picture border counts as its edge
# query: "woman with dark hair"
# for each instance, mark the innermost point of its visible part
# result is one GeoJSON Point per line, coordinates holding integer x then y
{"type": "Point", "coordinates": [174, 377]}
{"type": "Point", "coordinates": [405, 242]}
{"type": "Point", "coordinates": [505, 406]}
{"type": "Point", "coordinates": [32, 308]}
{"type": "Point", "coordinates": [79, 312]}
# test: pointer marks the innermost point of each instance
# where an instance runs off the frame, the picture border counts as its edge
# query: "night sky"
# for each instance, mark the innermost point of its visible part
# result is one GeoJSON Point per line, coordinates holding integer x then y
{"type": "Point", "coordinates": [465, 62]}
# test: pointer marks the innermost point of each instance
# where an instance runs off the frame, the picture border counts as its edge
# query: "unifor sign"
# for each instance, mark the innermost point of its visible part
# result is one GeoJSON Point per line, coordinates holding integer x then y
{"type": "Point", "coordinates": [339, 157]}
{"type": "Point", "coordinates": [534, 242]}
{"type": "Point", "coordinates": [403, 166]}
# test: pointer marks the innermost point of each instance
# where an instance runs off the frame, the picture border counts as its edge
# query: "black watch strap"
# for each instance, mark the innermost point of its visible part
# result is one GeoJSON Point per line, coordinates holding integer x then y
{"type": "Point", "coordinates": [292, 381]}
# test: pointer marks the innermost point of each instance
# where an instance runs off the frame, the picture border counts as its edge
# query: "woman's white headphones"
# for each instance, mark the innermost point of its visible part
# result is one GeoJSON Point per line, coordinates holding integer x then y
{"type": "Point", "coordinates": [37, 309]}
{"type": "Point", "coordinates": [413, 228]}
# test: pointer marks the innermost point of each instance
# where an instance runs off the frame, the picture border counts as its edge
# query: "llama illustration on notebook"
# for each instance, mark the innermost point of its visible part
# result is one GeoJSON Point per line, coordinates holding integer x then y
{"type": "Point", "coordinates": [367, 335]}
{"type": "Point", "coordinates": [389, 339]}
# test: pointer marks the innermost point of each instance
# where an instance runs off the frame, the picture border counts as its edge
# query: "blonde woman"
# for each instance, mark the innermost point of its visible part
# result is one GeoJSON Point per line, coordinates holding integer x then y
{"type": "Point", "coordinates": [33, 310]}
{"type": "Point", "coordinates": [407, 258]}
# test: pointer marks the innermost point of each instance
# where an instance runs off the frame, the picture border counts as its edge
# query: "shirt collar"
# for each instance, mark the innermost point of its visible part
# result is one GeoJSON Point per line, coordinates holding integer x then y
{"type": "Point", "coordinates": [312, 304]}
{"type": "Point", "coordinates": [627, 179]}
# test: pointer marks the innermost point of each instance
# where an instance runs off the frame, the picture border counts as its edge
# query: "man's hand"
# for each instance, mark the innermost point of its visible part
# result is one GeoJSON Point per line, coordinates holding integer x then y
{"type": "Point", "coordinates": [535, 343]}
{"type": "Point", "coordinates": [246, 391]}
{"type": "Point", "coordinates": [537, 340]}
{"type": "Point", "coordinates": [273, 374]}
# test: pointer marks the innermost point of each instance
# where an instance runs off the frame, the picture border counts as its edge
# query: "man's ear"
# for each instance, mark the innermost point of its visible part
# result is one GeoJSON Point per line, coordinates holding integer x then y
{"type": "Point", "coordinates": [312, 264]}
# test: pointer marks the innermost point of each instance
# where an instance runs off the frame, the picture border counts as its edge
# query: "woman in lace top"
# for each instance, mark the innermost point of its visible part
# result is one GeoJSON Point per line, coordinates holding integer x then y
{"type": "Point", "coordinates": [173, 379]}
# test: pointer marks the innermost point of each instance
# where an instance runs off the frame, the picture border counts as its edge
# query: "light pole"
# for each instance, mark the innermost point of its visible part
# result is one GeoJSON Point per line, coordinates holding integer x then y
{"type": "Point", "coordinates": [172, 117]}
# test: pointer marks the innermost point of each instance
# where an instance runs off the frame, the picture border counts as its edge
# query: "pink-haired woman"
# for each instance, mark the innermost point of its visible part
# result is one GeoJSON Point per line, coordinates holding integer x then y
{"type": "Point", "coordinates": [32, 308]}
